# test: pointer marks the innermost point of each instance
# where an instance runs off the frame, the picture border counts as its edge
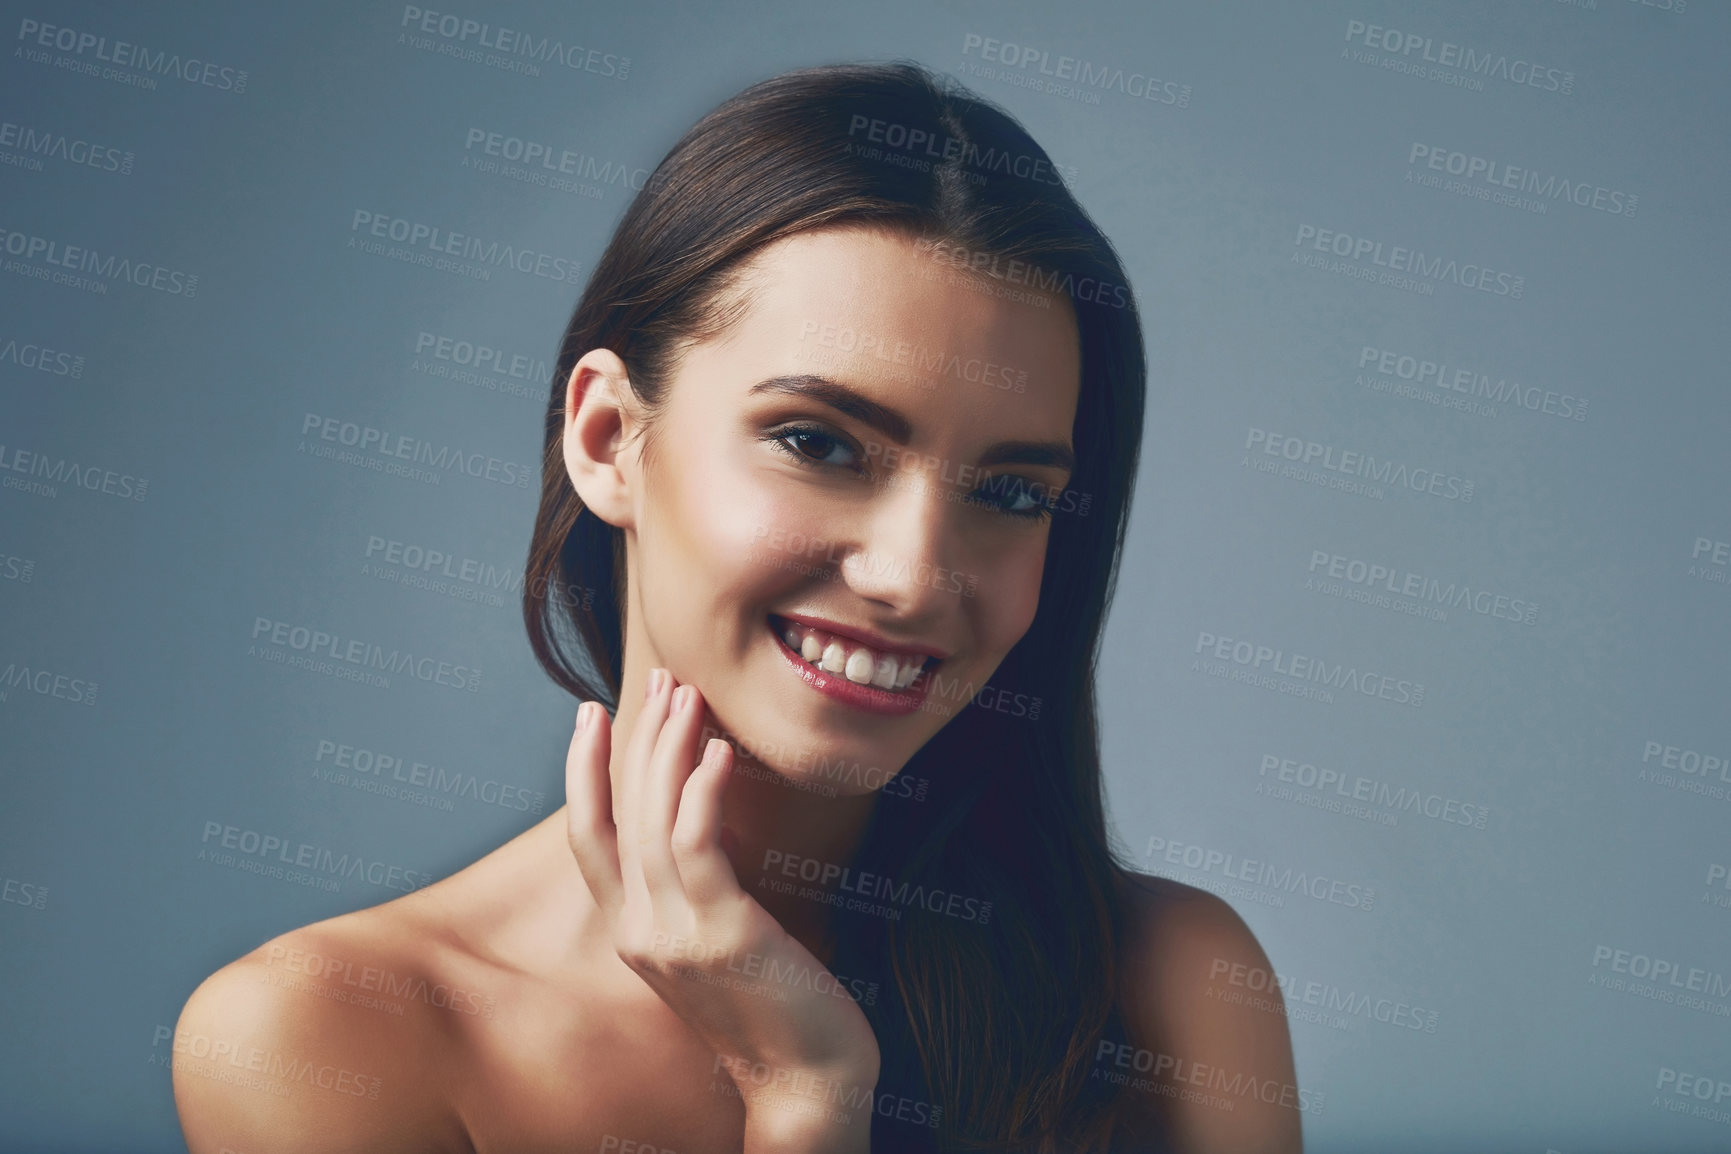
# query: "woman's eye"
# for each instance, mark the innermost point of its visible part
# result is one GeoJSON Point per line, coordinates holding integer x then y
{"type": "Point", "coordinates": [1015, 497]}
{"type": "Point", "coordinates": [817, 446]}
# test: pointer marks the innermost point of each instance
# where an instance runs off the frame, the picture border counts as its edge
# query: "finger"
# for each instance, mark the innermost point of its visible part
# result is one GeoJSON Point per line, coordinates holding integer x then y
{"type": "Point", "coordinates": [698, 848]}
{"type": "Point", "coordinates": [674, 758]}
{"type": "Point", "coordinates": [638, 758]}
{"type": "Point", "coordinates": [589, 806]}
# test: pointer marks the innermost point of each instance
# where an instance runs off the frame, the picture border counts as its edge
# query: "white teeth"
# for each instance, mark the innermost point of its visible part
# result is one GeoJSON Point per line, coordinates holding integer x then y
{"type": "Point", "coordinates": [859, 667]}
{"type": "Point", "coordinates": [885, 672]}
{"type": "Point", "coordinates": [834, 658]}
{"type": "Point", "coordinates": [858, 663]}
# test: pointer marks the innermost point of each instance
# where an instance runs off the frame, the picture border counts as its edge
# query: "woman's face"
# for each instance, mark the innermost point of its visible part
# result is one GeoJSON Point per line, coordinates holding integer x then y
{"type": "Point", "coordinates": [846, 486]}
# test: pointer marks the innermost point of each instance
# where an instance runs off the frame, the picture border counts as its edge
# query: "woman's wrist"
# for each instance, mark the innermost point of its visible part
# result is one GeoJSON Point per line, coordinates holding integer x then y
{"type": "Point", "coordinates": [790, 1111]}
{"type": "Point", "coordinates": [778, 1130]}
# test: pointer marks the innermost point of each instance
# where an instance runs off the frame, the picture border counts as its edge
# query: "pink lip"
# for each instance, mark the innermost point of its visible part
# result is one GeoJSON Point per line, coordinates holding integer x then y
{"type": "Point", "coordinates": [865, 637]}
{"type": "Point", "coordinates": [869, 698]}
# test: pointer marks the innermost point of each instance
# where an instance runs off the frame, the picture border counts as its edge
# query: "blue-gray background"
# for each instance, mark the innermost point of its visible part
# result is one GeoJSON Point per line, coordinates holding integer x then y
{"type": "Point", "coordinates": [1271, 120]}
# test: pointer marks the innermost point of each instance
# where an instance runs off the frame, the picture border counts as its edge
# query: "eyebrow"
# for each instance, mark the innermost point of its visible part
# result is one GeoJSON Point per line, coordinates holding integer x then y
{"type": "Point", "coordinates": [895, 426]}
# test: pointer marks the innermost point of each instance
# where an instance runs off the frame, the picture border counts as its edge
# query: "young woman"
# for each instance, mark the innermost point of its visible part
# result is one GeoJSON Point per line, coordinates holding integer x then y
{"type": "Point", "coordinates": [838, 457]}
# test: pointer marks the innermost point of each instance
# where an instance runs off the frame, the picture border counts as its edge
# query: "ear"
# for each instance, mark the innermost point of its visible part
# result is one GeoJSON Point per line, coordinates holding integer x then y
{"type": "Point", "coordinates": [601, 430]}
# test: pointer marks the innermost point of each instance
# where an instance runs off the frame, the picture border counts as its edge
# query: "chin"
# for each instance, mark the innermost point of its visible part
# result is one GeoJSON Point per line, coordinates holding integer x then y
{"type": "Point", "coordinates": [827, 739]}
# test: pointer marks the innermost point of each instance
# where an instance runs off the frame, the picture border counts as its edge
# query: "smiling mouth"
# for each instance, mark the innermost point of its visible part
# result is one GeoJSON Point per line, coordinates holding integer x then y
{"type": "Point", "coordinates": [892, 671]}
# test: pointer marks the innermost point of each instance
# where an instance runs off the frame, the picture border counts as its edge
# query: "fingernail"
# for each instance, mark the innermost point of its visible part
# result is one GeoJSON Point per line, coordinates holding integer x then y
{"type": "Point", "coordinates": [654, 684]}
{"type": "Point", "coordinates": [682, 699]}
{"type": "Point", "coordinates": [585, 716]}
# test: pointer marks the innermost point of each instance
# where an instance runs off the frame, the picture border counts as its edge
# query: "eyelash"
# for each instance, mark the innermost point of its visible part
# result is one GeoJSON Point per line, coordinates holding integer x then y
{"type": "Point", "coordinates": [781, 437]}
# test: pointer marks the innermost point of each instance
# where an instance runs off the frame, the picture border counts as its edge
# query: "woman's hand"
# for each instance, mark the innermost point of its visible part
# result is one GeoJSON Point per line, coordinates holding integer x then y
{"type": "Point", "coordinates": [803, 1060]}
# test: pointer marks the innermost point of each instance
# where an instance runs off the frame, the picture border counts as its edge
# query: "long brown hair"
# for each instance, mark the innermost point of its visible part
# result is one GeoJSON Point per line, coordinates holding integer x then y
{"type": "Point", "coordinates": [995, 1022]}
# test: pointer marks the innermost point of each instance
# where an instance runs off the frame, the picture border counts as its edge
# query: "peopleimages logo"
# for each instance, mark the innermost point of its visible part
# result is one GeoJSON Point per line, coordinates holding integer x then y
{"type": "Point", "coordinates": [1333, 1004]}
{"type": "Point", "coordinates": [471, 354]}
{"type": "Point", "coordinates": [1200, 1083]}
{"type": "Point", "coordinates": [1667, 974]}
{"type": "Point", "coordinates": [1689, 762]}
{"type": "Point", "coordinates": [427, 242]}
{"type": "Point", "coordinates": [1368, 581]}
{"type": "Point", "coordinates": [1423, 373]}
{"type": "Point", "coordinates": [31, 895]}
{"type": "Point", "coordinates": [233, 1062]}
{"type": "Point", "coordinates": [48, 472]}
{"type": "Point", "coordinates": [40, 358]}
{"type": "Point", "coordinates": [29, 678]}
{"type": "Point", "coordinates": [83, 267]}
{"type": "Point", "coordinates": [481, 366]}
{"type": "Point", "coordinates": [1397, 260]}
{"type": "Point", "coordinates": [16, 568]}
{"type": "Point", "coordinates": [1498, 178]}
{"type": "Point", "coordinates": [1718, 878]}
{"type": "Point", "coordinates": [1314, 674]}
{"type": "Point", "coordinates": [89, 52]}
{"type": "Point", "coordinates": [1213, 863]}
{"type": "Point", "coordinates": [311, 644]}
{"type": "Point", "coordinates": [1415, 49]}
{"type": "Point", "coordinates": [1353, 466]}
{"type": "Point", "coordinates": [258, 848]}
{"type": "Point", "coordinates": [1363, 797]}
{"type": "Point", "coordinates": [366, 770]}
{"type": "Point", "coordinates": [465, 38]}
{"type": "Point", "coordinates": [1682, 1086]}
{"type": "Point", "coordinates": [924, 145]}
{"type": "Point", "coordinates": [35, 144]}
{"type": "Point", "coordinates": [550, 161]}
{"type": "Point", "coordinates": [1038, 278]}
{"type": "Point", "coordinates": [400, 447]}
{"type": "Point", "coordinates": [330, 973]}
{"type": "Point", "coordinates": [1034, 63]}
{"type": "Point", "coordinates": [928, 362]}
{"type": "Point", "coordinates": [879, 887]}
{"type": "Point", "coordinates": [1710, 560]}
{"type": "Point", "coordinates": [461, 577]}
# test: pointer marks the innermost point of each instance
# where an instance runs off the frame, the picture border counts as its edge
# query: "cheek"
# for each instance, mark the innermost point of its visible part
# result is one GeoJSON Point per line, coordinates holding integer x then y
{"type": "Point", "coordinates": [1009, 595]}
{"type": "Point", "coordinates": [744, 539]}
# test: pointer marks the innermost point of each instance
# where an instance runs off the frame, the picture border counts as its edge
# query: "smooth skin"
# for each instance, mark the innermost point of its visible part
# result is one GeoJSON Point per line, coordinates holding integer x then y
{"type": "Point", "coordinates": [599, 982]}
{"type": "Point", "coordinates": [672, 898]}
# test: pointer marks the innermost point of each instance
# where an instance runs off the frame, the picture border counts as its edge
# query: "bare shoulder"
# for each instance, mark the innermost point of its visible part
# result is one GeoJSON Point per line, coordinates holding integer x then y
{"type": "Point", "coordinates": [1180, 933]}
{"type": "Point", "coordinates": [329, 1037]}
{"type": "Point", "coordinates": [1211, 1059]}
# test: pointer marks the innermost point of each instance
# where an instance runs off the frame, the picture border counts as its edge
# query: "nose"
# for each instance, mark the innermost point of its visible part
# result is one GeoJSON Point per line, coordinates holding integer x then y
{"type": "Point", "coordinates": [907, 549]}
